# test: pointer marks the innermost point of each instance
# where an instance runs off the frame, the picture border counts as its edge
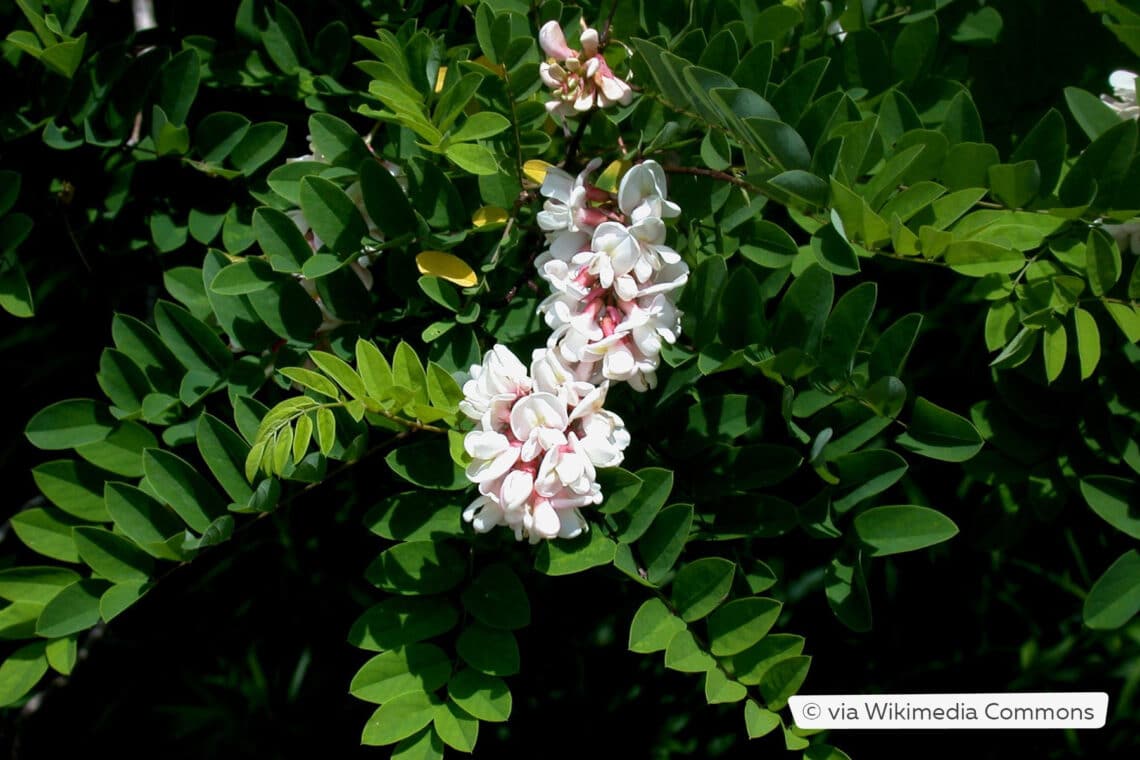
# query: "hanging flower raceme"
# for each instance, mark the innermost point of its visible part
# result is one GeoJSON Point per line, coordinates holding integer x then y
{"type": "Point", "coordinates": [612, 274]}
{"type": "Point", "coordinates": [541, 435]}
{"type": "Point", "coordinates": [578, 80]}
{"type": "Point", "coordinates": [1124, 88]}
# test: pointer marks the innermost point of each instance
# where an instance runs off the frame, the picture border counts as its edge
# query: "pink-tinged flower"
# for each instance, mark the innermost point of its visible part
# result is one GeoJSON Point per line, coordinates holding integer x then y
{"type": "Point", "coordinates": [539, 441]}
{"type": "Point", "coordinates": [578, 80]}
{"type": "Point", "coordinates": [493, 386]}
{"type": "Point", "coordinates": [1124, 88]}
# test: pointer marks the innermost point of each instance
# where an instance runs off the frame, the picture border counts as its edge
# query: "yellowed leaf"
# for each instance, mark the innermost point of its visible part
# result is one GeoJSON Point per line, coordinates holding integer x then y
{"type": "Point", "coordinates": [489, 216]}
{"type": "Point", "coordinates": [610, 179]}
{"type": "Point", "coordinates": [536, 170]}
{"type": "Point", "coordinates": [447, 267]}
{"type": "Point", "coordinates": [439, 77]}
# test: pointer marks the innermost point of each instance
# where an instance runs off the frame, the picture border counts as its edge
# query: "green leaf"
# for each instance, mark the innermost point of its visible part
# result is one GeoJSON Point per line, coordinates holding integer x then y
{"type": "Point", "coordinates": [486, 697]}
{"type": "Point", "coordinates": [1126, 318]}
{"type": "Point", "coordinates": [751, 664]}
{"type": "Point", "coordinates": [631, 523]}
{"type": "Point", "coordinates": [22, 671]}
{"type": "Point", "coordinates": [1115, 598]}
{"type": "Point", "coordinates": [242, 277]}
{"type": "Point", "coordinates": [802, 314]}
{"type": "Point", "coordinates": [311, 380]}
{"type": "Point", "coordinates": [74, 609]}
{"type": "Point", "coordinates": [844, 329]}
{"type": "Point", "coordinates": [497, 598]}
{"type": "Point", "coordinates": [701, 586]}
{"type": "Point", "coordinates": [427, 464]}
{"type": "Point", "coordinates": [218, 134]}
{"type": "Point", "coordinates": [1015, 184]}
{"type": "Point", "coordinates": [34, 584]}
{"type": "Point", "coordinates": [117, 599]}
{"type": "Point", "coordinates": [740, 624]}
{"type": "Point", "coordinates": [847, 595]}
{"type": "Point", "coordinates": [18, 620]}
{"type": "Point", "coordinates": [664, 540]}
{"type": "Point", "coordinates": [1047, 143]}
{"type": "Point", "coordinates": [67, 424]}
{"type": "Point", "coordinates": [332, 214]}
{"type": "Point", "coordinates": [1115, 500]}
{"type": "Point", "coordinates": [336, 141]}
{"type": "Point", "coordinates": [74, 486]}
{"type": "Point", "coordinates": [455, 727]}
{"type": "Point", "coordinates": [443, 391]}
{"type": "Point", "coordinates": [261, 143]}
{"type": "Point", "coordinates": [784, 679]}
{"type": "Point", "coordinates": [423, 745]}
{"type": "Point", "coordinates": [684, 653]}
{"type": "Point", "coordinates": [181, 486]}
{"type": "Point", "coordinates": [224, 452]}
{"type": "Point", "coordinates": [1088, 342]}
{"type": "Point", "coordinates": [574, 555]}
{"type": "Point", "coordinates": [1098, 173]}
{"type": "Point", "coordinates": [339, 370]}
{"type": "Point", "coordinates": [940, 434]}
{"type": "Point", "coordinates": [414, 668]}
{"type": "Point", "coordinates": [400, 621]}
{"type": "Point", "coordinates": [374, 369]}
{"type": "Point", "coordinates": [902, 528]}
{"type": "Point", "coordinates": [479, 126]}
{"type": "Point", "coordinates": [280, 240]}
{"type": "Point", "coordinates": [416, 516]}
{"type": "Point", "coordinates": [386, 202]}
{"type": "Point", "coordinates": [111, 556]}
{"type": "Point", "coordinates": [64, 58]}
{"type": "Point", "coordinates": [47, 531]}
{"type": "Point", "coordinates": [1102, 261]}
{"type": "Point", "coordinates": [653, 627]}
{"type": "Point", "coordinates": [489, 650]}
{"type": "Point", "coordinates": [719, 689]}
{"type": "Point", "coordinates": [142, 519]}
{"type": "Point", "coordinates": [866, 473]}
{"type": "Point", "coordinates": [888, 357]}
{"type": "Point", "coordinates": [194, 344]}
{"type": "Point", "coordinates": [400, 718]}
{"type": "Point", "coordinates": [1055, 346]}
{"type": "Point", "coordinates": [62, 654]}
{"type": "Point", "coordinates": [417, 567]}
{"type": "Point", "coordinates": [832, 250]}
{"type": "Point", "coordinates": [975, 258]}
{"type": "Point", "coordinates": [1091, 114]}
{"type": "Point", "coordinates": [178, 85]}
{"type": "Point", "coordinates": [472, 158]}
{"type": "Point", "coordinates": [759, 721]}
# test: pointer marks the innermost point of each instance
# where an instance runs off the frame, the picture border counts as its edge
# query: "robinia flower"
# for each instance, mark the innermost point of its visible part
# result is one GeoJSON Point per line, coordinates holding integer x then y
{"type": "Point", "coordinates": [612, 275]}
{"type": "Point", "coordinates": [1124, 88]}
{"type": "Point", "coordinates": [578, 80]}
{"type": "Point", "coordinates": [540, 437]}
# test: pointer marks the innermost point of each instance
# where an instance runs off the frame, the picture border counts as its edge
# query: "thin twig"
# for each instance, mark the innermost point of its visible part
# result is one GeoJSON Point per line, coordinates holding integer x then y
{"type": "Point", "coordinates": [701, 171]}
{"type": "Point", "coordinates": [576, 140]}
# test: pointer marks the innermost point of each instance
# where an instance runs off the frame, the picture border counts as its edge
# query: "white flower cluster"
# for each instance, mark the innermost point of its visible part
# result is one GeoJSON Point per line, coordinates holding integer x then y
{"type": "Point", "coordinates": [1124, 88]}
{"type": "Point", "coordinates": [612, 274]}
{"type": "Point", "coordinates": [540, 436]}
{"type": "Point", "coordinates": [578, 80]}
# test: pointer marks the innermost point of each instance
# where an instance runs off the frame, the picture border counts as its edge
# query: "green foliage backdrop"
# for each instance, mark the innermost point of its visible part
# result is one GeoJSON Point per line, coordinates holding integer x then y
{"type": "Point", "coordinates": [254, 253]}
